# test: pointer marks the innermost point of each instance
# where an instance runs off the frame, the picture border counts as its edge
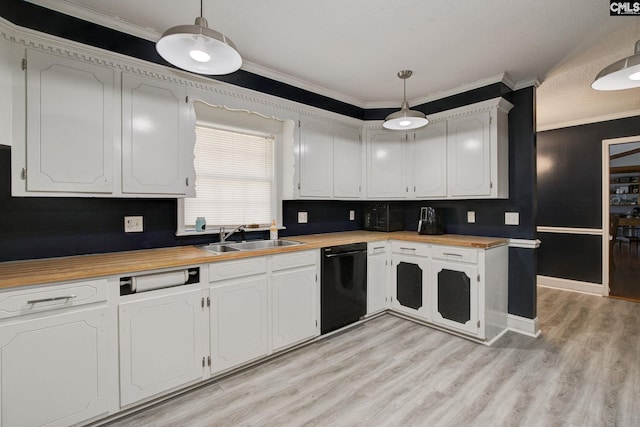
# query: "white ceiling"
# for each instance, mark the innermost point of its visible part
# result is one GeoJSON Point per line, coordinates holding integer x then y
{"type": "Point", "coordinates": [352, 50]}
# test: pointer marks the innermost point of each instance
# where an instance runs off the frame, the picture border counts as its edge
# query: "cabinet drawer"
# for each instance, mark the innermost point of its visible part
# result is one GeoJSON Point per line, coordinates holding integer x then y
{"type": "Point", "coordinates": [15, 303]}
{"type": "Point", "coordinates": [376, 248]}
{"type": "Point", "coordinates": [239, 268]}
{"type": "Point", "coordinates": [410, 248]}
{"type": "Point", "coordinates": [452, 253]}
{"type": "Point", "coordinates": [293, 260]}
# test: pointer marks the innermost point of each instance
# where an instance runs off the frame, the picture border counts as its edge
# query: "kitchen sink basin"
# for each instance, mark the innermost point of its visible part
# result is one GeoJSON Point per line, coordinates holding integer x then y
{"type": "Point", "coordinates": [262, 244]}
{"type": "Point", "coordinates": [219, 248]}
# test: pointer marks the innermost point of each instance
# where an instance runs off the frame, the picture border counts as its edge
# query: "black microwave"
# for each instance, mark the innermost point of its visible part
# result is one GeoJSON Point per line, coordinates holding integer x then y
{"type": "Point", "coordinates": [383, 217]}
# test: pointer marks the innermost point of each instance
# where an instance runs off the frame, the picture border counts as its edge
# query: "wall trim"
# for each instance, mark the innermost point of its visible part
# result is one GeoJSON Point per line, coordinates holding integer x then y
{"type": "Point", "coordinates": [523, 325]}
{"type": "Point", "coordinates": [570, 285]}
{"type": "Point", "coordinates": [588, 121]}
{"type": "Point", "coordinates": [570, 230]}
{"type": "Point", "coordinates": [524, 243]}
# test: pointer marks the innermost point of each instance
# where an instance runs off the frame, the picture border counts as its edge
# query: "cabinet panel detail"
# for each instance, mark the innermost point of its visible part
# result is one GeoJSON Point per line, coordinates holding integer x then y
{"type": "Point", "coordinates": [53, 369]}
{"type": "Point", "coordinates": [454, 295]}
{"type": "Point", "coordinates": [70, 125]}
{"type": "Point", "coordinates": [316, 159]}
{"type": "Point", "coordinates": [409, 285]}
{"type": "Point", "coordinates": [160, 344]}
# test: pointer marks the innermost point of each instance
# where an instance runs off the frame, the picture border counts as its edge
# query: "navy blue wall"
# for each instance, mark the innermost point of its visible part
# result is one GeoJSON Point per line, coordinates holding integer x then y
{"type": "Point", "coordinates": [570, 195]}
{"type": "Point", "coordinates": [46, 227]}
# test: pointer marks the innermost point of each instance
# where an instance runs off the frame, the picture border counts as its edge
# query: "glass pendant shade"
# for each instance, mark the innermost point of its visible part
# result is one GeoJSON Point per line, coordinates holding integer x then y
{"type": "Point", "coordinates": [623, 74]}
{"type": "Point", "coordinates": [199, 49]}
{"type": "Point", "coordinates": [405, 119]}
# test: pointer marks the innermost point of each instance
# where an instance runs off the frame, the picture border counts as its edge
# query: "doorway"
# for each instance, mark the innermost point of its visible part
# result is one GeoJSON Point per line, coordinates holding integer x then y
{"type": "Point", "coordinates": [621, 207]}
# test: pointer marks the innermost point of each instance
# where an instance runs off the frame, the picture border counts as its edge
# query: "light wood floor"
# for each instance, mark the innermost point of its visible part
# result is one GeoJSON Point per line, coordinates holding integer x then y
{"type": "Point", "coordinates": [583, 371]}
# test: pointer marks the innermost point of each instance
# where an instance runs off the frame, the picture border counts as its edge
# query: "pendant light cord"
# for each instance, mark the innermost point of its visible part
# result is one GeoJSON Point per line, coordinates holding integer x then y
{"type": "Point", "coordinates": [201, 13]}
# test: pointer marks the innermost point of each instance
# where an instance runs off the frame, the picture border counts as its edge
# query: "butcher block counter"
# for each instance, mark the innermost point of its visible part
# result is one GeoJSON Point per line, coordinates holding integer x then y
{"type": "Point", "coordinates": [50, 270]}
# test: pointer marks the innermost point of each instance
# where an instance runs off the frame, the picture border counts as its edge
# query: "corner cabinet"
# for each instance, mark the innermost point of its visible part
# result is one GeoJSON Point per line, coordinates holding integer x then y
{"type": "Point", "coordinates": [478, 151]}
{"type": "Point", "coordinates": [71, 125]}
{"type": "Point", "coordinates": [377, 277]}
{"type": "Point", "coordinates": [386, 156]}
{"type": "Point", "coordinates": [155, 146]}
{"type": "Point", "coordinates": [54, 353]}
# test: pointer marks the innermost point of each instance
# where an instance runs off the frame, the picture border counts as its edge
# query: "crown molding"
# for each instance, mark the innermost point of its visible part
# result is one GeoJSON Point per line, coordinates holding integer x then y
{"type": "Point", "coordinates": [589, 120]}
{"type": "Point", "coordinates": [85, 13]}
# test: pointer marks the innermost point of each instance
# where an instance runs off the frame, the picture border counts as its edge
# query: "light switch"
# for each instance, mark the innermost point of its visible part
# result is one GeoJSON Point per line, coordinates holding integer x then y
{"type": "Point", "coordinates": [511, 218]}
{"type": "Point", "coordinates": [352, 215]}
{"type": "Point", "coordinates": [471, 217]}
{"type": "Point", "coordinates": [302, 217]}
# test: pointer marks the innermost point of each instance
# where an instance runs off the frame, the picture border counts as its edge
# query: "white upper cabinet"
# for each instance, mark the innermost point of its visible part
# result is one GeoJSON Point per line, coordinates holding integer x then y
{"type": "Point", "coordinates": [330, 160]}
{"type": "Point", "coordinates": [70, 125]}
{"type": "Point", "coordinates": [316, 158]}
{"type": "Point", "coordinates": [347, 162]}
{"type": "Point", "coordinates": [478, 151]}
{"type": "Point", "coordinates": [386, 176]}
{"type": "Point", "coordinates": [429, 158]}
{"type": "Point", "coordinates": [155, 114]}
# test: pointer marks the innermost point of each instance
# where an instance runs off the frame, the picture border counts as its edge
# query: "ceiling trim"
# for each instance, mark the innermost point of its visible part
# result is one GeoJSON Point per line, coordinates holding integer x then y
{"type": "Point", "coordinates": [590, 120]}
{"type": "Point", "coordinates": [87, 14]}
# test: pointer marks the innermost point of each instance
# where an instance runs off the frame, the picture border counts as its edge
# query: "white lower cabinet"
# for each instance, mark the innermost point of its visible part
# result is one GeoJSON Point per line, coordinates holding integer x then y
{"type": "Point", "coordinates": [377, 277]}
{"type": "Point", "coordinates": [53, 369]}
{"type": "Point", "coordinates": [455, 291]}
{"type": "Point", "coordinates": [294, 298]}
{"type": "Point", "coordinates": [239, 323]}
{"type": "Point", "coordinates": [161, 344]}
{"type": "Point", "coordinates": [410, 290]}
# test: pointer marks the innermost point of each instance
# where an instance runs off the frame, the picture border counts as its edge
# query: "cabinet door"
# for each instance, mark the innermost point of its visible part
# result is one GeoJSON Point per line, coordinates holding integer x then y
{"type": "Point", "coordinates": [239, 321]}
{"type": "Point", "coordinates": [430, 161]}
{"type": "Point", "coordinates": [160, 344]}
{"type": "Point", "coordinates": [347, 162]}
{"type": "Point", "coordinates": [410, 285]}
{"type": "Point", "coordinates": [53, 369]}
{"type": "Point", "coordinates": [70, 125]}
{"type": "Point", "coordinates": [316, 158]}
{"type": "Point", "coordinates": [294, 296]}
{"type": "Point", "coordinates": [455, 296]}
{"type": "Point", "coordinates": [386, 177]}
{"type": "Point", "coordinates": [468, 150]}
{"type": "Point", "coordinates": [377, 278]}
{"type": "Point", "coordinates": [154, 117]}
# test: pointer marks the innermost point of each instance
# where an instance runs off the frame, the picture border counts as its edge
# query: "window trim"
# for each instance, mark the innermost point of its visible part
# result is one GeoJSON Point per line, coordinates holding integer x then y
{"type": "Point", "coordinates": [242, 121]}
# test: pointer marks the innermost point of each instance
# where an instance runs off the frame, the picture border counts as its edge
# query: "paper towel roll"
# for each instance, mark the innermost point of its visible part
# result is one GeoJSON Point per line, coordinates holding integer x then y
{"type": "Point", "coordinates": [150, 282]}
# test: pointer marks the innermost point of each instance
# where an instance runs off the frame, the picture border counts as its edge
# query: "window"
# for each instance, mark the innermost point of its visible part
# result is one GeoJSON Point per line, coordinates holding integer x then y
{"type": "Point", "coordinates": [235, 161]}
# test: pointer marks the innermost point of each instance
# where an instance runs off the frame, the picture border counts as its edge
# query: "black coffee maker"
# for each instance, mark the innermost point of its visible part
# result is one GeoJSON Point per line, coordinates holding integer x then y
{"type": "Point", "coordinates": [430, 221]}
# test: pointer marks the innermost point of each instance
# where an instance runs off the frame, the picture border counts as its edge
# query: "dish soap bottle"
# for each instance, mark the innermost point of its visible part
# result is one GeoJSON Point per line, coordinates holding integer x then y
{"type": "Point", "coordinates": [273, 231]}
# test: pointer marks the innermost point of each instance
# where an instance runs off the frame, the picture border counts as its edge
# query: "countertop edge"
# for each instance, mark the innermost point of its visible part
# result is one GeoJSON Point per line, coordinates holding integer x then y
{"type": "Point", "coordinates": [15, 274]}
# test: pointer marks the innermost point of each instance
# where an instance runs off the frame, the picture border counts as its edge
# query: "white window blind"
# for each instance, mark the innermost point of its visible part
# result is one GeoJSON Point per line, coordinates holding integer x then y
{"type": "Point", "coordinates": [234, 179]}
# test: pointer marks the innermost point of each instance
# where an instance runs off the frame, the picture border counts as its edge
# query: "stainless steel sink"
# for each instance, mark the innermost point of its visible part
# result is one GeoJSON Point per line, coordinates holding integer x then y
{"type": "Point", "coordinates": [262, 244]}
{"type": "Point", "coordinates": [218, 248]}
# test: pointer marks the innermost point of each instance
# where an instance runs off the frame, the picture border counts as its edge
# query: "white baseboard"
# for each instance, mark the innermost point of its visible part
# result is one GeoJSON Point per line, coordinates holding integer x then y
{"type": "Point", "coordinates": [523, 325]}
{"type": "Point", "coordinates": [570, 285]}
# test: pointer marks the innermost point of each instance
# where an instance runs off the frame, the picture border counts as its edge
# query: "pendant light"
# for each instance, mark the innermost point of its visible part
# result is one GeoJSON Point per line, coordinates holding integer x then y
{"type": "Point", "coordinates": [199, 49]}
{"type": "Point", "coordinates": [623, 74]}
{"type": "Point", "coordinates": [405, 119]}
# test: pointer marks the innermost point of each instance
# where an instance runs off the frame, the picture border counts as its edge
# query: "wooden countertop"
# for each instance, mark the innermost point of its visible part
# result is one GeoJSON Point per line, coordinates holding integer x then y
{"type": "Point", "coordinates": [50, 270]}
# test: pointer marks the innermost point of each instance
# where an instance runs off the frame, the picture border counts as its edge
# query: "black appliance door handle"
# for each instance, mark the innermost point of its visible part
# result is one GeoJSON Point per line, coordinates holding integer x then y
{"type": "Point", "coordinates": [345, 254]}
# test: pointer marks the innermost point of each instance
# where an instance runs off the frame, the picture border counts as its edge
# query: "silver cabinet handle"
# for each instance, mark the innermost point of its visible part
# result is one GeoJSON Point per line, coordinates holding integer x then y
{"type": "Point", "coordinates": [378, 248]}
{"type": "Point", "coordinates": [36, 301]}
{"type": "Point", "coordinates": [451, 254]}
{"type": "Point", "coordinates": [407, 249]}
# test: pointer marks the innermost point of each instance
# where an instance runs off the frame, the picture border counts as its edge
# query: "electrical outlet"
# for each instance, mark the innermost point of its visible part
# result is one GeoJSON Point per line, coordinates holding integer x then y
{"type": "Point", "coordinates": [302, 217]}
{"type": "Point", "coordinates": [352, 215]}
{"type": "Point", "coordinates": [511, 218]}
{"type": "Point", "coordinates": [471, 217]}
{"type": "Point", "coordinates": [133, 224]}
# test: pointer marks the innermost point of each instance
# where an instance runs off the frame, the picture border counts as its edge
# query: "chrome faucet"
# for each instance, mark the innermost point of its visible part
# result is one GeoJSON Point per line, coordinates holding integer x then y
{"type": "Point", "coordinates": [224, 237]}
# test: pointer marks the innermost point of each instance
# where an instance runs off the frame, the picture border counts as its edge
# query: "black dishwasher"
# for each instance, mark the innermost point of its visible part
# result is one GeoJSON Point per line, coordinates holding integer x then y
{"type": "Point", "coordinates": [343, 290]}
